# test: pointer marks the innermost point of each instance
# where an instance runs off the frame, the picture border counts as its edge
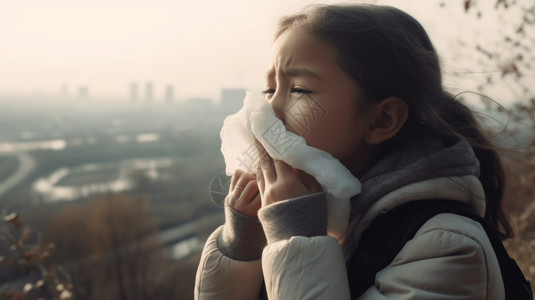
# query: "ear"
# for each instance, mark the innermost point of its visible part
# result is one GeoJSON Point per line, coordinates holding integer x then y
{"type": "Point", "coordinates": [388, 116]}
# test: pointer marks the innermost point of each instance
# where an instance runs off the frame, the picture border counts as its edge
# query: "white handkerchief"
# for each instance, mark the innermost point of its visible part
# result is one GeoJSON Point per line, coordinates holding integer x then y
{"type": "Point", "coordinates": [257, 119]}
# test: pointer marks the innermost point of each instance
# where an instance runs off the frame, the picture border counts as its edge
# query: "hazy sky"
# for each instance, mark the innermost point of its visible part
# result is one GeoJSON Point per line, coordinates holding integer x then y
{"type": "Point", "coordinates": [197, 46]}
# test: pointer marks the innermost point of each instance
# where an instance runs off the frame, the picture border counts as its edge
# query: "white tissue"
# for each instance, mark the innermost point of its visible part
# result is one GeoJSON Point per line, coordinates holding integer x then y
{"type": "Point", "coordinates": [257, 119]}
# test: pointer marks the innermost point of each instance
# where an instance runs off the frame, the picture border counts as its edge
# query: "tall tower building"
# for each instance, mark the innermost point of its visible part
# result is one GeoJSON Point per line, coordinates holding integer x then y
{"type": "Point", "coordinates": [83, 92]}
{"type": "Point", "coordinates": [169, 94]}
{"type": "Point", "coordinates": [64, 93]}
{"type": "Point", "coordinates": [148, 92]}
{"type": "Point", "coordinates": [134, 94]}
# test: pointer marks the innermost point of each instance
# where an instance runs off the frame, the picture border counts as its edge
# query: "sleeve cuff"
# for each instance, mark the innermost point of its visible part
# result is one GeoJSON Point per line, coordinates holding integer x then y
{"type": "Point", "coordinates": [302, 216]}
{"type": "Point", "coordinates": [242, 237]}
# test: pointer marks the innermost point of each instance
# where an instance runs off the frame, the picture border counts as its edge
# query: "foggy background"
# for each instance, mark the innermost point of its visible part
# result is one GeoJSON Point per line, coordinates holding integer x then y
{"type": "Point", "coordinates": [110, 114]}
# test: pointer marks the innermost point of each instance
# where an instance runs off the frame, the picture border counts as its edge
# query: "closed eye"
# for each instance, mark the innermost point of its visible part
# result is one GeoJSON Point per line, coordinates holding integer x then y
{"type": "Point", "coordinates": [294, 90]}
{"type": "Point", "coordinates": [268, 91]}
{"type": "Point", "coordinates": [300, 91]}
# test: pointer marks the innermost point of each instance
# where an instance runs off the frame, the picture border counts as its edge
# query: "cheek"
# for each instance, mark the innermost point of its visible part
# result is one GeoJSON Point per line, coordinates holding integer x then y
{"type": "Point", "coordinates": [305, 116]}
{"type": "Point", "coordinates": [339, 133]}
{"type": "Point", "coordinates": [323, 134]}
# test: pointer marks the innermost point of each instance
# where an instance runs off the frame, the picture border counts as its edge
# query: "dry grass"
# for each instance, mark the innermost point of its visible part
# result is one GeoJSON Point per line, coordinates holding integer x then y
{"type": "Point", "coordinates": [519, 202]}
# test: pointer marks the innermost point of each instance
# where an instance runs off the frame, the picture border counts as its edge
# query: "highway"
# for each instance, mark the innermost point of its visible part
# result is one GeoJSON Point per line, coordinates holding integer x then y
{"type": "Point", "coordinates": [25, 168]}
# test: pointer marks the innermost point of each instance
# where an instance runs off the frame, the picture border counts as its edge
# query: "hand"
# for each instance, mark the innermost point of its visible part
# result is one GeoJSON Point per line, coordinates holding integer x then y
{"type": "Point", "coordinates": [243, 193]}
{"type": "Point", "coordinates": [279, 181]}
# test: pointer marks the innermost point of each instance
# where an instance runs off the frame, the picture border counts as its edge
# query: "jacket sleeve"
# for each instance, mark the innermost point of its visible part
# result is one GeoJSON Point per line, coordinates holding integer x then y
{"type": "Point", "coordinates": [305, 268]}
{"type": "Point", "coordinates": [449, 258]}
{"type": "Point", "coordinates": [230, 265]}
{"type": "Point", "coordinates": [301, 261]}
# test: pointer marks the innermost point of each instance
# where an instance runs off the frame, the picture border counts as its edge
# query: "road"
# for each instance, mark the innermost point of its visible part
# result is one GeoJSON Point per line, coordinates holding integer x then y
{"type": "Point", "coordinates": [176, 234]}
{"type": "Point", "coordinates": [26, 166]}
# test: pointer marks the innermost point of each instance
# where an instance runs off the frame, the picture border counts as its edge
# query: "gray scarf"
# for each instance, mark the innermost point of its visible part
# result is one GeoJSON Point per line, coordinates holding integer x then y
{"type": "Point", "coordinates": [418, 160]}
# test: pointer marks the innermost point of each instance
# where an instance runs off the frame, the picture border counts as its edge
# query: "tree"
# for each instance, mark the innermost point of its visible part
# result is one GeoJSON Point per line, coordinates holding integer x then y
{"type": "Point", "coordinates": [111, 247]}
{"type": "Point", "coordinates": [127, 251]}
{"type": "Point", "coordinates": [38, 277]}
{"type": "Point", "coordinates": [502, 34]}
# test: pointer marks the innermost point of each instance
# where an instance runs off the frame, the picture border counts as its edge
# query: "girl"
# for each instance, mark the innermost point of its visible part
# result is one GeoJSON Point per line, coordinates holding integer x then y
{"type": "Point", "coordinates": [375, 73]}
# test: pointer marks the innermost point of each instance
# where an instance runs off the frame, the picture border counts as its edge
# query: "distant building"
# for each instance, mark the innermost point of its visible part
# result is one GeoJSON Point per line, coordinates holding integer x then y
{"type": "Point", "coordinates": [83, 92]}
{"type": "Point", "coordinates": [169, 94]}
{"type": "Point", "coordinates": [64, 91]}
{"type": "Point", "coordinates": [199, 105]}
{"type": "Point", "coordinates": [148, 92]}
{"type": "Point", "coordinates": [134, 92]}
{"type": "Point", "coordinates": [231, 100]}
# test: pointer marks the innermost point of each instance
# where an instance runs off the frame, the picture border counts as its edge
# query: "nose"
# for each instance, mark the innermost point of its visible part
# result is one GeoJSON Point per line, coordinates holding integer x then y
{"type": "Point", "coordinates": [277, 102]}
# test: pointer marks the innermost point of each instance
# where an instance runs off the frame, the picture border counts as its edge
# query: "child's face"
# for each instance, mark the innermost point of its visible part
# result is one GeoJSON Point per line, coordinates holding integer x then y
{"type": "Point", "coordinates": [316, 98]}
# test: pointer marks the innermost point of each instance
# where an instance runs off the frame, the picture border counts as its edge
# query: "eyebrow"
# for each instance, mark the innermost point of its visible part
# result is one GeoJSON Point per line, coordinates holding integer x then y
{"type": "Point", "coordinates": [295, 72]}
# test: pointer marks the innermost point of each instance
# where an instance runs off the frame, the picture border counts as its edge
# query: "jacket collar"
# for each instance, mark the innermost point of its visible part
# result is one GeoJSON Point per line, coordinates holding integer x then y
{"type": "Point", "coordinates": [424, 169]}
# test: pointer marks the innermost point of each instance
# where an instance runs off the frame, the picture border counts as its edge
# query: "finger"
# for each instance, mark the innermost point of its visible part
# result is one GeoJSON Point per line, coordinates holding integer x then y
{"type": "Point", "coordinates": [237, 174]}
{"type": "Point", "coordinates": [283, 170]}
{"type": "Point", "coordinates": [259, 145]}
{"type": "Point", "coordinates": [256, 204]}
{"type": "Point", "coordinates": [241, 184]}
{"type": "Point", "coordinates": [268, 168]}
{"type": "Point", "coordinates": [249, 193]}
{"type": "Point", "coordinates": [260, 181]}
{"type": "Point", "coordinates": [231, 199]}
{"type": "Point", "coordinates": [266, 162]}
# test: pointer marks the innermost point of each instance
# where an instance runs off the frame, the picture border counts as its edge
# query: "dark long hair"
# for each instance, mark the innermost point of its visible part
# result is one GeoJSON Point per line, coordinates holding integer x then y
{"type": "Point", "coordinates": [388, 53]}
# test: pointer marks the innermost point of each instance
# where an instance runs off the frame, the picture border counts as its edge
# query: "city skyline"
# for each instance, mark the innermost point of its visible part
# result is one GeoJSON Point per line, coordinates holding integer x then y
{"type": "Point", "coordinates": [58, 47]}
{"type": "Point", "coordinates": [134, 93]}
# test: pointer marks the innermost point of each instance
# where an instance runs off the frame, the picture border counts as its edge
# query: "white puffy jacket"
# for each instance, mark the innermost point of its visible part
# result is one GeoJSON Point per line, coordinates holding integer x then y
{"type": "Point", "coordinates": [450, 257]}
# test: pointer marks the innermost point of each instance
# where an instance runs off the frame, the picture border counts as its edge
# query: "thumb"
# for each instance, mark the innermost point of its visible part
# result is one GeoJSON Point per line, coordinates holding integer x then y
{"type": "Point", "coordinates": [308, 180]}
